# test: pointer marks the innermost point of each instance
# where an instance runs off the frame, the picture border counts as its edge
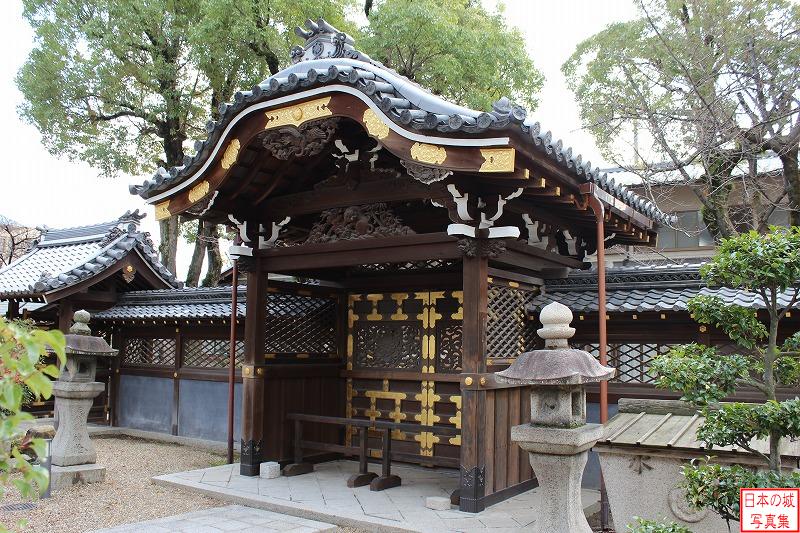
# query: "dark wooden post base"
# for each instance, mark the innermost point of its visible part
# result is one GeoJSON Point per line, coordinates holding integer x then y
{"type": "Point", "coordinates": [251, 458]}
{"type": "Point", "coordinates": [297, 469]}
{"type": "Point", "coordinates": [386, 480]}
{"type": "Point", "coordinates": [383, 483]}
{"type": "Point", "coordinates": [360, 480]}
{"type": "Point", "coordinates": [473, 488]}
{"type": "Point", "coordinates": [364, 476]}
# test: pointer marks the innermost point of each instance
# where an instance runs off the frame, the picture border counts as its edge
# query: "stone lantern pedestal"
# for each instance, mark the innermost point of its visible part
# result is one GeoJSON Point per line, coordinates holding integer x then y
{"type": "Point", "coordinates": [558, 438]}
{"type": "Point", "coordinates": [72, 453]}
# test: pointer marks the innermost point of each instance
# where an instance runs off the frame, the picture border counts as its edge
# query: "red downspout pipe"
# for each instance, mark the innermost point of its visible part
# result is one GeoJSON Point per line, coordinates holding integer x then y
{"type": "Point", "coordinates": [232, 353]}
{"type": "Point", "coordinates": [599, 213]}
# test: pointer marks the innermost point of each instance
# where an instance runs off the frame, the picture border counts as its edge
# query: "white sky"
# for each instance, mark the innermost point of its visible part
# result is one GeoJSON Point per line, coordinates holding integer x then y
{"type": "Point", "coordinates": [39, 189]}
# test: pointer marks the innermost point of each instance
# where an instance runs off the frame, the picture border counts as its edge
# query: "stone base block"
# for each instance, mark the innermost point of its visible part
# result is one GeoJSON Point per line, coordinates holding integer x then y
{"type": "Point", "coordinates": [437, 503]}
{"type": "Point", "coordinates": [63, 477]}
{"type": "Point", "coordinates": [270, 470]}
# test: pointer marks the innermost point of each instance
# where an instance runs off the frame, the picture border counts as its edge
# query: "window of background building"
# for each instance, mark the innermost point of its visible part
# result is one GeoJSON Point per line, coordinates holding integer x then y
{"type": "Point", "coordinates": [689, 232]}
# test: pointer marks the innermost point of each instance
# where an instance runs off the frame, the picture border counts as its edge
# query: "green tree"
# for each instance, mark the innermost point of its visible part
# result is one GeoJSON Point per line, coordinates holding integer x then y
{"type": "Point", "coordinates": [769, 266]}
{"type": "Point", "coordinates": [454, 48]}
{"type": "Point", "coordinates": [21, 349]}
{"type": "Point", "coordinates": [697, 85]}
{"type": "Point", "coordinates": [123, 84]}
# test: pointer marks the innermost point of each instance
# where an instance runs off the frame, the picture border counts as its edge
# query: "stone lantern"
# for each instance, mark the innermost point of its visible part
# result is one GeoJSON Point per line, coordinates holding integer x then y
{"type": "Point", "coordinates": [558, 438]}
{"type": "Point", "coordinates": [72, 453]}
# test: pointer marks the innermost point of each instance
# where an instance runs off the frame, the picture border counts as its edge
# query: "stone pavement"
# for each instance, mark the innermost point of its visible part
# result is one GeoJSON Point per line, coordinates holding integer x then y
{"type": "Point", "coordinates": [323, 495]}
{"type": "Point", "coordinates": [231, 518]}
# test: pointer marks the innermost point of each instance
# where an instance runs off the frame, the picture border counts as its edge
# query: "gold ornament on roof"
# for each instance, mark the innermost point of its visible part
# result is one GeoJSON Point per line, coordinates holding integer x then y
{"type": "Point", "coordinates": [428, 153]}
{"type": "Point", "coordinates": [162, 210]}
{"type": "Point", "coordinates": [199, 191]}
{"type": "Point", "coordinates": [497, 160]}
{"type": "Point", "coordinates": [375, 126]}
{"type": "Point", "coordinates": [231, 154]}
{"type": "Point", "coordinates": [297, 114]}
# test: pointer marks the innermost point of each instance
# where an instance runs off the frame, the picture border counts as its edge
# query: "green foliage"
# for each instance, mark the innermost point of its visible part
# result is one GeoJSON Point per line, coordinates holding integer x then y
{"type": "Point", "coordinates": [455, 48]}
{"type": "Point", "coordinates": [716, 487]}
{"type": "Point", "coordinates": [765, 264]}
{"type": "Point", "coordinates": [122, 84]}
{"type": "Point", "coordinates": [21, 349]}
{"type": "Point", "coordinates": [737, 424]}
{"type": "Point", "coordinates": [757, 262]}
{"type": "Point", "coordinates": [701, 374]}
{"type": "Point", "coordinates": [698, 85]}
{"type": "Point", "coordinates": [740, 324]}
{"type": "Point", "coordinates": [650, 526]}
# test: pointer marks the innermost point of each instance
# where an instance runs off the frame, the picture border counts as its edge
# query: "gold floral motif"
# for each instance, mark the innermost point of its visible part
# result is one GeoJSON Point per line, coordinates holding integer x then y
{"type": "Point", "coordinates": [198, 191]}
{"type": "Point", "coordinates": [497, 160]}
{"type": "Point", "coordinates": [162, 210]}
{"type": "Point", "coordinates": [375, 126]}
{"type": "Point", "coordinates": [298, 113]}
{"type": "Point", "coordinates": [231, 154]}
{"type": "Point", "coordinates": [428, 153]}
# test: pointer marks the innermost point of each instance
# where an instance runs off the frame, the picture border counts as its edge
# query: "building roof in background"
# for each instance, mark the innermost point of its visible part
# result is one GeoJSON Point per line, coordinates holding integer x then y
{"type": "Point", "coordinates": [64, 257]}
{"type": "Point", "coordinates": [175, 304]}
{"type": "Point", "coordinates": [767, 164]}
{"type": "Point", "coordinates": [202, 303]}
{"type": "Point", "coordinates": [642, 288]}
{"type": "Point", "coordinates": [329, 58]}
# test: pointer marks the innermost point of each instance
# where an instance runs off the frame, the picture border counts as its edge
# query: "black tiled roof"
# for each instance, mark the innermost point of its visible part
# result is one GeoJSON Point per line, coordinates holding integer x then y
{"type": "Point", "coordinates": [64, 257]}
{"type": "Point", "coordinates": [642, 288]}
{"type": "Point", "coordinates": [178, 304]}
{"type": "Point", "coordinates": [404, 101]}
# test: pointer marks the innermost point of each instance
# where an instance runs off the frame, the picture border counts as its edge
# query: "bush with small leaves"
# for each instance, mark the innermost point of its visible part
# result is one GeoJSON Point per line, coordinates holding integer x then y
{"type": "Point", "coordinates": [716, 487]}
{"type": "Point", "coordinates": [21, 349]}
{"type": "Point", "coordinates": [769, 266]}
{"type": "Point", "coordinates": [650, 526]}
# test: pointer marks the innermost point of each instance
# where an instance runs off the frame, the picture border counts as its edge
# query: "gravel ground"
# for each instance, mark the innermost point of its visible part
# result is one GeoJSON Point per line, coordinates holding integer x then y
{"type": "Point", "coordinates": [127, 495]}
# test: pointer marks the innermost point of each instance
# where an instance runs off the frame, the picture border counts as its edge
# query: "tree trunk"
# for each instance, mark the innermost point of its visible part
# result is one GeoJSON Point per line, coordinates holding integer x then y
{"type": "Point", "coordinates": [196, 265]}
{"type": "Point", "coordinates": [168, 248]}
{"type": "Point", "coordinates": [792, 178]}
{"type": "Point", "coordinates": [769, 377]}
{"type": "Point", "coordinates": [214, 258]}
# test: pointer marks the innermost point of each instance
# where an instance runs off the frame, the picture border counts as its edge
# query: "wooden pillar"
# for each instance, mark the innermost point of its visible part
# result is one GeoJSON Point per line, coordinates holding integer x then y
{"type": "Point", "coordinates": [253, 368]}
{"type": "Point", "coordinates": [473, 360]}
{"type": "Point", "coordinates": [65, 312]}
{"type": "Point", "coordinates": [13, 309]}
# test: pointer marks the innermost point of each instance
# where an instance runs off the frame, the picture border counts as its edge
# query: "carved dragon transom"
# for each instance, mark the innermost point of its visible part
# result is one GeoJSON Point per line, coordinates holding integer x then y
{"type": "Point", "coordinates": [306, 140]}
{"type": "Point", "coordinates": [357, 222]}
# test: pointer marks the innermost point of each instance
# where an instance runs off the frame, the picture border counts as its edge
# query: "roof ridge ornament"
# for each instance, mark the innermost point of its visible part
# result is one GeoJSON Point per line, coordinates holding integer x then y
{"type": "Point", "coordinates": [325, 41]}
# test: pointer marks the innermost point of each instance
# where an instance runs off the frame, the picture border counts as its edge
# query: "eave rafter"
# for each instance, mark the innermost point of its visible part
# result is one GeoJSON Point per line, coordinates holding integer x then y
{"type": "Point", "coordinates": [499, 164]}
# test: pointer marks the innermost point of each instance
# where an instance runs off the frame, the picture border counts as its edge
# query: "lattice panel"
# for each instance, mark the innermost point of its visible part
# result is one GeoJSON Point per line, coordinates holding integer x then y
{"type": "Point", "coordinates": [395, 345]}
{"type": "Point", "coordinates": [448, 349]}
{"type": "Point", "coordinates": [632, 361]}
{"type": "Point", "coordinates": [156, 352]}
{"type": "Point", "coordinates": [508, 332]}
{"type": "Point", "coordinates": [210, 353]}
{"type": "Point", "coordinates": [300, 324]}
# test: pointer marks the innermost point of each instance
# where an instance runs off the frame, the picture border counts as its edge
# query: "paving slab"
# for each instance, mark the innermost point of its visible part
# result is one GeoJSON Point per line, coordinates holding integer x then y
{"type": "Point", "coordinates": [323, 496]}
{"type": "Point", "coordinates": [236, 518]}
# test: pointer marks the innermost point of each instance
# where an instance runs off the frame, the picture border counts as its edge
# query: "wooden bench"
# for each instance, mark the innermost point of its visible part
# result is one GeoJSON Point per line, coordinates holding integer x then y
{"type": "Point", "coordinates": [364, 477]}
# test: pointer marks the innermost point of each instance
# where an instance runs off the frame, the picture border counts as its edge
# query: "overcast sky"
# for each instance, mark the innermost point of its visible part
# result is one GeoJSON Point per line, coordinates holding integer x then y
{"type": "Point", "coordinates": [39, 189]}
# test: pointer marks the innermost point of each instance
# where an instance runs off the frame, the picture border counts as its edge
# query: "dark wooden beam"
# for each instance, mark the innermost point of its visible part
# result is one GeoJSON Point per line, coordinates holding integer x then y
{"type": "Point", "coordinates": [393, 190]}
{"type": "Point", "coordinates": [361, 251]}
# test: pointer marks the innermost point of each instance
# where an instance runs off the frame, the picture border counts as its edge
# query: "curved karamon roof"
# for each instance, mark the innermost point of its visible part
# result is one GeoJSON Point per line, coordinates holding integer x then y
{"type": "Point", "coordinates": [329, 58]}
